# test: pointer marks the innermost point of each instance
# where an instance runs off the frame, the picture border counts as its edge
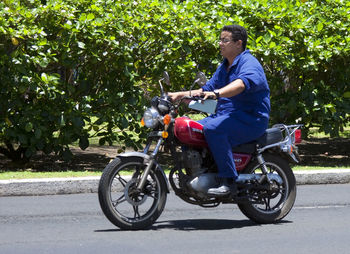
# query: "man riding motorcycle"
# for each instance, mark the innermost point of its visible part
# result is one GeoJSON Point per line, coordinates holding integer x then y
{"type": "Point", "coordinates": [242, 114]}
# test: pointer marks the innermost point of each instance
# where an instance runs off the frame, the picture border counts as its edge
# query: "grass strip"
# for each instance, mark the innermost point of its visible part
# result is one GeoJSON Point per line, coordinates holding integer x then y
{"type": "Point", "coordinates": [30, 175]}
{"type": "Point", "coordinates": [9, 175]}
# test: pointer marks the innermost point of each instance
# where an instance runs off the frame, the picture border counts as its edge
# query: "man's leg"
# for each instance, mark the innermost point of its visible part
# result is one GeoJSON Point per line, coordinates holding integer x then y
{"type": "Point", "coordinates": [216, 134]}
{"type": "Point", "coordinates": [218, 140]}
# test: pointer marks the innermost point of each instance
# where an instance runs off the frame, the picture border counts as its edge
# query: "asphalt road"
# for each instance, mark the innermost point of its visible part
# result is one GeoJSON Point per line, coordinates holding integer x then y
{"type": "Point", "coordinates": [318, 223]}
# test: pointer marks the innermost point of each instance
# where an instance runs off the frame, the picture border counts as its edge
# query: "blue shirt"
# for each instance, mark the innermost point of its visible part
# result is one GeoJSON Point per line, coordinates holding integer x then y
{"type": "Point", "coordinates": [254, 101]}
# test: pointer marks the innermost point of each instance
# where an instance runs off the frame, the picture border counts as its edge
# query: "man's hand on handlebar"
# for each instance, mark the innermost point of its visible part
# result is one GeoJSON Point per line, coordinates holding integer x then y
{"type": "Point", "coordinates": [175, 96]}
{"type": "Point", "coordinates": [202, 95]}
{"type": "Point", "coordinates": [208, 95]}
{"type": "Point", "coordinates": [192, 95]}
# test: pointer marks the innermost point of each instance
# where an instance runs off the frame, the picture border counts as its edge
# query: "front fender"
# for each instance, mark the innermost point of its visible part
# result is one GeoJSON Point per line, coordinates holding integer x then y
{"type": "Point", "coordinates": [146, 158]}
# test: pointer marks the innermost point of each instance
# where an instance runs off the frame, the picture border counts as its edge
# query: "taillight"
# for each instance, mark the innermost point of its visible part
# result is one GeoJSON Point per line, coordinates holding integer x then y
{"type": "Point", "coordinates": [297, 135]}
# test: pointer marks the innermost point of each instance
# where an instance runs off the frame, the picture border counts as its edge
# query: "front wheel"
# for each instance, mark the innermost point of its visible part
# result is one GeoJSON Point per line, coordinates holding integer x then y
{"type": "Point", "coordinates": [275, 202]}
{"type": "Point", "coordinates": [122, 203]}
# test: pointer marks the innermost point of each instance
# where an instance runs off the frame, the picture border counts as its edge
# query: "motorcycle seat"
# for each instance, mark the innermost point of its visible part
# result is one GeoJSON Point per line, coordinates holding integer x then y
{"type": "Point", "coordinates": [271, 136]}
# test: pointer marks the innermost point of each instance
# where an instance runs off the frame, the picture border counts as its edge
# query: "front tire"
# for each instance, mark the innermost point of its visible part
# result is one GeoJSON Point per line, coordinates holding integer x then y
{"type": "Point", "coordinates": [121, 202]}
{"type": "Point", "coordinates": [276, 204]}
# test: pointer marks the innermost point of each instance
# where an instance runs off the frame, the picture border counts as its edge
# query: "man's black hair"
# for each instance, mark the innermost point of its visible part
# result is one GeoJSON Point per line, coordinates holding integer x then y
{"type": "Point", "coordinates": [238, 33]}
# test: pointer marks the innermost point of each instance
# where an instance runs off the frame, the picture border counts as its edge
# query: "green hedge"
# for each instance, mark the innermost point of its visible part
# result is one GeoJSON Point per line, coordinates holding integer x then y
{"type": "Point", "coordinates": [72, 68]}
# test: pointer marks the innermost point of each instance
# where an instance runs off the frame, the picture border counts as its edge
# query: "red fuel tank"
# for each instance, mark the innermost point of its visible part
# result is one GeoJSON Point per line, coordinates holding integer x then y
{"type": "Point", "coordinates": [189, 132]}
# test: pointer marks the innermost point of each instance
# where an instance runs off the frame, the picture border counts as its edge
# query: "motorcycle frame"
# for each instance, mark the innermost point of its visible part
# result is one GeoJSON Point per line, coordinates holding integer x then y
{"type": "Point", "coordinates": [286, 146]}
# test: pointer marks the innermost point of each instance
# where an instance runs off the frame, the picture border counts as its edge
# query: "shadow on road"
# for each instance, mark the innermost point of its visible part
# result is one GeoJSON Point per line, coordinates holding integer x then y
{"type": "Point", "coordinates": [199, 224]}
{"type": "Point", "coordinates": [202, 224]}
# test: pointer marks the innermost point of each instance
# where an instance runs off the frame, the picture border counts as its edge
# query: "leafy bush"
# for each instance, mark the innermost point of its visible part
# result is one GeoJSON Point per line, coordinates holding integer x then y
{"type": "Point", "coordinates": [72, 69]}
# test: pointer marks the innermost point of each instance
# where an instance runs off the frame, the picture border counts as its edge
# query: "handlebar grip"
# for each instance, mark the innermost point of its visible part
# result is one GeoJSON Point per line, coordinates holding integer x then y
{"type": "Point", "coordinates": [198, 98]}
{"type": "Point", "coordinates": [195, 98]}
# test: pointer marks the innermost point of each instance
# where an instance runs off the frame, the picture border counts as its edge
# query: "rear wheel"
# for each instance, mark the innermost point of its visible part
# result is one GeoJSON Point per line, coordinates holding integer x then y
{"type": "Point", "coordinates": [122, 203]}
{"type": "Point", "coordinates": [275, 202]}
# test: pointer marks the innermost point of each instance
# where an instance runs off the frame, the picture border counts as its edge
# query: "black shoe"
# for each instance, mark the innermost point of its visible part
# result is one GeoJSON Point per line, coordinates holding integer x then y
{"type": "Point", "coordinates": [227, 186]}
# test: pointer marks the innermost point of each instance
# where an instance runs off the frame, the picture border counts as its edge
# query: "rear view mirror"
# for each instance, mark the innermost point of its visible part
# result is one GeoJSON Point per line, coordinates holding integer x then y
{"type": "Point", "coordinates": [166, 78]}
{"type": "Point", "coordinates": [201, 78]}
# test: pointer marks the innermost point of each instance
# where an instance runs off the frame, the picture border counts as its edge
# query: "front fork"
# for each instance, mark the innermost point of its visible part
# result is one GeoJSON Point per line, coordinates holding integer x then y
{"type": "Point", "coordinates": [150, 163]}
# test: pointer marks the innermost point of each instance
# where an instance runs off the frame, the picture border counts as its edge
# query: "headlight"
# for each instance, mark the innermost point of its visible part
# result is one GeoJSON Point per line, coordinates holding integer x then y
{"type": "Point", "coordinates": [150, 117]}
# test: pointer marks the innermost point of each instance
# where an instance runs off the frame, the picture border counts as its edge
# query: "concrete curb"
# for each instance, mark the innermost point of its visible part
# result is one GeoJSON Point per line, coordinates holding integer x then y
{"type": "Point", "coordinates": [54, 186]}
{"type": "Point", "coordinates": [330, 176]}
{"type": "Point", "coordinates": [48, 186]}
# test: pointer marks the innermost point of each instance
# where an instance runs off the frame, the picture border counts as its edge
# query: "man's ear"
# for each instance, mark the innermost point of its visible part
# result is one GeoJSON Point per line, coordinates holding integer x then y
{"type": "Point", "coordinates": [239, 44]}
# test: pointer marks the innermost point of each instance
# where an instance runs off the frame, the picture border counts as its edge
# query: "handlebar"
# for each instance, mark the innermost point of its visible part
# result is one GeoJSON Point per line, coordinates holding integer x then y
{"type": "Point", "coordinates": [196, 98]}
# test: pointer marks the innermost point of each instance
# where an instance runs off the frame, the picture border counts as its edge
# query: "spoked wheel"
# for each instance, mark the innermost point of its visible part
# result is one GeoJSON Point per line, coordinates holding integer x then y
{"type": "Point", "coordinates": [121, 201]}
{"type": "Point", "coordinates": [273, 203]}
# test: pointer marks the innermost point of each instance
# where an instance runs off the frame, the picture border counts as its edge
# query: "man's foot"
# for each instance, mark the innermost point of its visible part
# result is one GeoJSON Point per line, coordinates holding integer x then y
{"type": "Point", "coordinates": [227, 186]}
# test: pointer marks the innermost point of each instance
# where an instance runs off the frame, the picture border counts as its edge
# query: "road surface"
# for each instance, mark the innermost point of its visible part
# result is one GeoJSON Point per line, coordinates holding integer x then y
{"type": "Point", "coordinates": [318, 223]}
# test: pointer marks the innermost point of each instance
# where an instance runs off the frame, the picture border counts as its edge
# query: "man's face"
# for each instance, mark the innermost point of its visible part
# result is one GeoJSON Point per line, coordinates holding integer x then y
{"type": "Point", "coordinates": [228, 47]}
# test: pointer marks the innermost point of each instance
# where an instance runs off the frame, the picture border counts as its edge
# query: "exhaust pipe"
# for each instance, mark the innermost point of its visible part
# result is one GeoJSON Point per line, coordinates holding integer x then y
{"type": "Point", "coordinates": [243, 178]}
{"type": "Point", "coordinates": [204, 182]}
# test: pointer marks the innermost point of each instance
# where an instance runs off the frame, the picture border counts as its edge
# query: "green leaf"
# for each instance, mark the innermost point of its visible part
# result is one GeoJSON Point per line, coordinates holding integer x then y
{"type": "Point", "coordinates": [90, 16]}
{"type": "Point", "coordinates": [62, 121]}
{"type": "Point", "coordinates": [81, 45]}
{"type": "Point", "coordinates": [272, 44]}
{"type": "Point", "coordinates": [29, 127]}
{"type": "Point", "coordinates": [84, 143]}
{"type": "Point", "coordinates": [319, 27]}
{"type": "Point", "coordinates": [331, 108]}
{"type": "Point", "coordinates": [267, 38]}
{"type": "Point", "coordinates": [37, 133]}
{"type": "Point", "coordinates": [44, 78]}
{"type": "Point", "coordinates": [102, 141]}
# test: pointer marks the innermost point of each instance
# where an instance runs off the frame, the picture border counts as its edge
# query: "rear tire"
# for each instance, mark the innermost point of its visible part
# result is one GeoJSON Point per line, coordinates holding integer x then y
{"type": "Point", "coordinates": [122, 203]}
{"type": "Point", "coordinates": [277, 204]}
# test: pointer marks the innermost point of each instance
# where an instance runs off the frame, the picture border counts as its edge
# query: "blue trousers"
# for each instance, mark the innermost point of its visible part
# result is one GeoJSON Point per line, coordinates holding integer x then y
{"type": "Point", "coordinates": [222, 132]}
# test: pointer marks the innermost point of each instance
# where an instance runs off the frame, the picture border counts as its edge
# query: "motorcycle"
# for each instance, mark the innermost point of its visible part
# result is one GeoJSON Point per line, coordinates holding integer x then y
{"type": "Point", "coordinates": [133, 187]}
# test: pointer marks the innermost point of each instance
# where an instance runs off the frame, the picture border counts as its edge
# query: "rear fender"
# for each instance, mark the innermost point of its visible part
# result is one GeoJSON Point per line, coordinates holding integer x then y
{"type": "Point", "coordinates": [146, 158]}
{"type": "Point", "coordinates": [289, 158]}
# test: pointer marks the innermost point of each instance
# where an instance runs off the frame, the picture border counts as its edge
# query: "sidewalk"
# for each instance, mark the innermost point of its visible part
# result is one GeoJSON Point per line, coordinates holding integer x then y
{"type": "Point", "coordinates": [54, 186]}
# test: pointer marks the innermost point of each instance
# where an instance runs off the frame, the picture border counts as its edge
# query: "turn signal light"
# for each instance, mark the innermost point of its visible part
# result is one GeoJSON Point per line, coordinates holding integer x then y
{"type": "Point", "coordinates": [167, 119]}
{"type": "Point", "coordinates": [142, 122]}
{"type": "Point", "coordinates": [165, 134]}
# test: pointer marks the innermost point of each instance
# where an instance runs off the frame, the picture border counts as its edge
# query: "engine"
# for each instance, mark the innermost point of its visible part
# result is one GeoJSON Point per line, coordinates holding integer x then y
{"type": "Point", "coordinates": [193, 161]}
{"type": "Point", "coordinates": [199, 171]}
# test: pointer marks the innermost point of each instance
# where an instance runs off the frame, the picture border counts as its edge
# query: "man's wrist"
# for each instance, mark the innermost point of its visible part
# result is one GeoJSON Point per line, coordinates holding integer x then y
{"type": "Point", "coordinates": [217, 93]}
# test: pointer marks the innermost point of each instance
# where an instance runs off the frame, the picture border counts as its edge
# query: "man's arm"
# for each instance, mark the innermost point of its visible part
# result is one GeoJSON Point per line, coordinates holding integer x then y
{"type": "Point", "coordinates": [232, 89]}
{"type": "Point", "coordinates": [178, 95]}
